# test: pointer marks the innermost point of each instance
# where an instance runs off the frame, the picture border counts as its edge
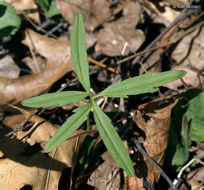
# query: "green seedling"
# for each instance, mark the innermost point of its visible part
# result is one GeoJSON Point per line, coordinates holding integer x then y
{"type": "Point", "coordinates": [136, 85]}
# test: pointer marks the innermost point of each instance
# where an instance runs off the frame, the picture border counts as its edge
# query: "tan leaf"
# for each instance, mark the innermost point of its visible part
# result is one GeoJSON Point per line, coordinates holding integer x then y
{"type": "Point", "coordinates": [42, 131]}
{"type": "Point", "coordinates": [115, 35]}
{"type": "Point", "coordinates": [54, 50]}
{"type": "Point", "coordinates": [190, 52]}
{"type": "Point", "coordinates": [21, 5]}
{"type": "Point", "coordinates": [38, 170]}
{"type": "Point", "coordinates": [8, 68]}
{"type": "Point", "coordinates": [191, 78]}
{"type": "Point", "coordinates": [17, 90]}
{"type": "Point", "coordinates": [154, 119]}
{"type": "Point", "coordinates": [99, 11]}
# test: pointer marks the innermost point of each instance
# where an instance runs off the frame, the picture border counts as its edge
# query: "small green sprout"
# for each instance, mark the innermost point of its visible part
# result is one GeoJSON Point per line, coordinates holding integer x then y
{"type": "Point", "coordinates": [137, 85]}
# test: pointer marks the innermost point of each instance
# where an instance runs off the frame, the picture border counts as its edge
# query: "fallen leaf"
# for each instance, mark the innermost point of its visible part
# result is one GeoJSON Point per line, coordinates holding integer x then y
{"type": "Point", "coordinates": [190, 51]}
{"type": "Point", "coordinates": [32, 65]}
{"type": "Point", "coordinates": [21, 5]}
{"type": "Point", "coordinates": [54, 50]}
{"type": "Point", "coordinates": [37, 170]}
{"type": "Point", "coordinates": [191, 78]}
{"type": "Point", "coordinates": [8, 68]}
{"type": "Point", "coordinates": [42, 172]}
{"type": "Point", "coordinates": [17, 90]}
{"type": "Point", "coordinates": [154, 119]}
{"type": "Point", "coordinates": [195, 178]}
{"type": "Point", "coordinates": [105, 176]}
{"type": "Point", "coordinates": [114, 35]}
{"type": "Point", "coordinates": [99, 12]}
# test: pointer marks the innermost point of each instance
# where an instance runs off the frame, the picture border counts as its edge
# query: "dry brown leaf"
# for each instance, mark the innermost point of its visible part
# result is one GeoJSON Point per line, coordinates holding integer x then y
{"type": "Point", "coordinates": [115, 34]}
{"type": "Point", "coordinates": [37, 170]}
{"type": "Point", "coordinates": [32, 65]}
{"type": "Point", "coordinates": [154, 119]}
{"type": "Point", "coordinates": [195, 178]}
{"type": "Point", "coordinates": [192, 78]}
{"type": "Point", "coordinates": [42, 131]}
{"type": "Point", "coordinates": [17, 90]}
{"type": "Point", "coordinates": [190, 51]}
{"type": "Point", "coordinates": [21, 5]}
{"type": "Point", "coordinates": [99, 12]}
{"type": "Point", "coordinates": [13, 121]}
{"type": "Point", "coordinates": [8, 68]}
{"type": "Point", "coordinates": [106, 175]}
{"type": "Point", "coordinates": [54, 50]}
{"type": "Point", "coordinates": [42, 172]}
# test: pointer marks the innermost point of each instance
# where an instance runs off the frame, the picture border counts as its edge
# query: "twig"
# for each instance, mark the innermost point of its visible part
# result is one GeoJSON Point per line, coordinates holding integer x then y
{"type": "Point", "coordinates": [144, 153]}
{"type": "Point", "coordinates": [184, 167]}
{"type": "Point", "coordinates": [15, 131]}
{"type": "Point", "coordinates": [102, 65]}
{"type": "Point", "coordinates": [55, 28]}
{"type": "Point", "coordinates": [38, 27]}
{"type": "Point", "coordinates": [31, 51]}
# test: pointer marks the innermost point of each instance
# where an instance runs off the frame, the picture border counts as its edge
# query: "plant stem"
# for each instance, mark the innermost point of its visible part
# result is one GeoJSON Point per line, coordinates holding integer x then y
{"type": "Point", "coordinates": [88, 122]}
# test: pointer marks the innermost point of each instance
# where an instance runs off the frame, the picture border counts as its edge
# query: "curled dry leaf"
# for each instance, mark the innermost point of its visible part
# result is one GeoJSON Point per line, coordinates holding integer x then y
{"type": "Point", "coordinates": [17, 90]}
{"type": "Point", "coordinates": [99, 11]}
{"type": "Point", "coordinates": [115, 34]}
{"type": "Point", "coordinates": [154, 119]}
{"type": "Point", "coordinates": [21, 5]}
{"type": "Point", "coordinates": [56, 52]}
{"type": "Point", "coordinates": [32, 65]}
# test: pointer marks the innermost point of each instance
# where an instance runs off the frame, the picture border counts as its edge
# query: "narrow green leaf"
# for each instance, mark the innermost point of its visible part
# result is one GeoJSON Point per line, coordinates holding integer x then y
{"type": "Point", "coordinates": [56, 98]}
{"type": "Point", "coordinates": [68, 127]}
{"type": "Point", "coordinates": [141, 84]}
{"type": "Point", "coordinates": [78, 52]}
{"type": "Point", "coordinates": [112, 140]}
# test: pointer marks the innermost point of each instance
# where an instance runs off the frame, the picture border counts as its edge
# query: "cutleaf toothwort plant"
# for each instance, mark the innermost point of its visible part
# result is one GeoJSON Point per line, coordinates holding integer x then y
{"type": "Point", "coordinates": [136, 85]}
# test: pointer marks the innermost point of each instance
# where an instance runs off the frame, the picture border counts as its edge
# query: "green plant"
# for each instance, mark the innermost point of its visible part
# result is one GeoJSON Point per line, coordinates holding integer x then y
{"type": "Point", "coordinates": [136, 85]}
{"type": "Point", "coordinates": [186, 126]}
{"type": "Point", "coordinates": [9, 20]}
{"type": "Point", "coordinates": [49, 7]}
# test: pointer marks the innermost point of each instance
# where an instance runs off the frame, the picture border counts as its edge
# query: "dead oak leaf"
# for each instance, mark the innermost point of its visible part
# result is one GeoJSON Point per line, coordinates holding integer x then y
{"type": "Point", "coordinates": [99, 11]}
{"type": "Point", "coordinates": [154, 119]}
{"type": "Point", "coordinates": [114, 35]}
{"type": "Point", "coordinates": [38, 170]}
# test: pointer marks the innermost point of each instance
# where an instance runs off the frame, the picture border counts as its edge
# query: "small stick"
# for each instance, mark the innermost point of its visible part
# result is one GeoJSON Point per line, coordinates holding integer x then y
{"type": "Point", "coordinates": [102, 65]}
{"type": "Point", "coordinates": [144, 153]}
{"type": "Point", "coordinates": [184, 167]}
{"type": "Point", "coordinates": [38, 27]}
{"type": "Point", "coordinates": [15, 131]}
{"type": "Point", "coordinates": [32, 53]}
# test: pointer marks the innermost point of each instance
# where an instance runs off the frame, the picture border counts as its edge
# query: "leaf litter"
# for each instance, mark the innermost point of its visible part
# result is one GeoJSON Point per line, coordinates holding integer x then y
{"type": "Point", "coordinates": [115, 34]}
